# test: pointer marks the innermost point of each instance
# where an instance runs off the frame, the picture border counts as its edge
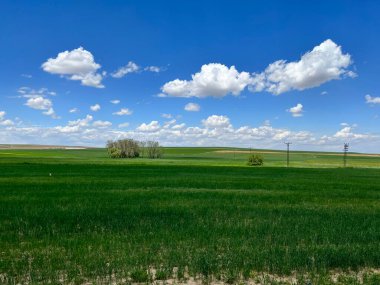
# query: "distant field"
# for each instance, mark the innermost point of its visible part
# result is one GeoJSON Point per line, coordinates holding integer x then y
{"type": "Point", "coordinates": [76, 216]}
{"type": "Point", "coordinates": [36, 146]}
{"type": "Point", "coordinates": [196, 156]}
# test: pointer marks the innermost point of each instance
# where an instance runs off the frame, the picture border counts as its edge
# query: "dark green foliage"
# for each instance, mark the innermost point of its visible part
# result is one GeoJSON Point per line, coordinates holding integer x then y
{"type": "Point", "coordinates": [255, 160]}
{"type": "Point", "coordinates": [140, 275]}
{"type": "Point", "coordinates": [163, 274]}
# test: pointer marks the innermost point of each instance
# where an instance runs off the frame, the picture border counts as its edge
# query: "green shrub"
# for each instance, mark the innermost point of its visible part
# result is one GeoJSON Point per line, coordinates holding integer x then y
{"type": "Point", "coordinates": [114, 152]}
{"type": "Point", "coordinates": [162, 274]}
{"type": "Point", "coordinates": [255, 160]}
{"type": "Point", "coordinates": [140, 275]}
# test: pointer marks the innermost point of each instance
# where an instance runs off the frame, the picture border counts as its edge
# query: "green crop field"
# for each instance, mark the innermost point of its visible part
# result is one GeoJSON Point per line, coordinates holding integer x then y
{"type": "Point", "coordinates": [79, 217]}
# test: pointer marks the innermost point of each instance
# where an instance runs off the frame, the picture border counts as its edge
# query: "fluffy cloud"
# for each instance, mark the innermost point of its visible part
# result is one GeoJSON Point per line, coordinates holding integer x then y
{"type": "Point", "coordinates": [214, 79]}
{"type": "Point", "coordinates": [73, 110]}
{"type": "Point", "coordinates": [38, 99]}
{"type": "Point", "coordinates": [123, 112]}
{"type": "Point", "coordinates": [115, 102]}
{"type": "Point", "coordinates": [78, 64]}
{"type": "Point", "coordinates": [296, 111]}
{"type": "Point", "coordinates": [131, 67]}
{"type": "Point", "coordinates": [192, 107]}
{"type": "Point", "coordinates": [81, 122]}
{"type": "Point", "coordinates": [347, 132]}
{"type": "Point", "coordinates": [102, 124]}
{"type": "Point", "coordinates": [215, 121]}
{"type": "Point", "coordinates": [41, 103]}
{"type": "Point", "coordinates": [151, 127]}
{"type": "Point", "coordinates": [372, 100]}
{"type": "Point", "coordinates": [95, 107]}
{"type": "Point", "coordinates": [324, 63]}
{"type": "Point", "coordinates": [7, 123]}
{"type": "Point", "coordinates": [75, 126]}
{"type": "Point", "coordinates": [3, 121]}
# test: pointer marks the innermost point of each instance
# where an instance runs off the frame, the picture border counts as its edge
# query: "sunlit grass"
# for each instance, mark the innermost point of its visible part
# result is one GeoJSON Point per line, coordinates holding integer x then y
{"type": "Point", "coordinates": [96, 217]}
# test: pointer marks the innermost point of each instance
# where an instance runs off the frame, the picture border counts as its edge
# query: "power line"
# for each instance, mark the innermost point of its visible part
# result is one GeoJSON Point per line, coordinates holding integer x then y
{"type": "Point", "coordinates": [287, 153]}
{"type": "Point", "coordinates": [345, 150]}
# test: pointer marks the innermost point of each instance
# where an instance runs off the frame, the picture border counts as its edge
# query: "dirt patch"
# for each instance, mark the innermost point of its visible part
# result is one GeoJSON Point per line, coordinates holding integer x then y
{"type": "Point", "coordinates": [244, 151]}
{"type": "Point", "coordinates": [279, 152]}
{"type": "Point", "coordinates": [34, 146]}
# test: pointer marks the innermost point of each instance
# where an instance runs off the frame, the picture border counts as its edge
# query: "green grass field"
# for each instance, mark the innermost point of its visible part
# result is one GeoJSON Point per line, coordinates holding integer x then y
{"type": "Point", "coordinates": [198, 210]}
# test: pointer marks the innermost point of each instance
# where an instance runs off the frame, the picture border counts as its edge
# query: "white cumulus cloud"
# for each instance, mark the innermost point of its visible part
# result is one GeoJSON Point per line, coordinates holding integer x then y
{"type": "Point", "coordinates": [78, 64]}
{"type": "Point", "coordinates": [296, 111]}
{"type": "Point", "coordinates": [41, 103]}
{"type": "Point", "coordinates": [123, 112]}
{"type": "Point", "coordinates": [115, 101]}
{"type": "Point", "coordinates": [324, 63]}
{"type": "Point", "coordinates": [151, 127]}
{"type": "Point", "coordinates": [216, 121]}
{"type": "Point", "coordinates": [214, 79]}
{"type": "Point", "coordinates": [102, 124]}
{"type": "Point", "coordinates": [347, 132]}
{"type": "Point", "coordinates": [192, 107]}
{"type": "Point", "coordinates": [95, 107]}
{"type": "Point", "coordinates": [372, 100]}
{"type": "Point", "coordinates": [5, 122]}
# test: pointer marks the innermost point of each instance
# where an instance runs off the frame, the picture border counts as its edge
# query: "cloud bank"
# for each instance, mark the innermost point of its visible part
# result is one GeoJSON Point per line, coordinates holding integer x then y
{"type": "Point", "coordinates": [215, 130]}
{"type": "Point", "coordinates": [323, 63]}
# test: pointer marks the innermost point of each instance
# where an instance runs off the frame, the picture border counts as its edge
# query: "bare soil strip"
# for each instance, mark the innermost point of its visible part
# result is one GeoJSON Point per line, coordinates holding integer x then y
{"type": "Point", "coordinates": [278, 152]}
{"type": "Point", "coordinates": [34, 146]}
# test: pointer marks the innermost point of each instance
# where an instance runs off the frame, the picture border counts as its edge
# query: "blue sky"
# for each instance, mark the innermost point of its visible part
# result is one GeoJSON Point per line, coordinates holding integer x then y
{"type": "Point", "coordinates": [251, 73]}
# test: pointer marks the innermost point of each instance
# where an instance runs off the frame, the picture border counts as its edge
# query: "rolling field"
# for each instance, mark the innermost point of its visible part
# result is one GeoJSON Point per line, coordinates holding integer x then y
{"type": "Point", "coordinates": [199, 212]}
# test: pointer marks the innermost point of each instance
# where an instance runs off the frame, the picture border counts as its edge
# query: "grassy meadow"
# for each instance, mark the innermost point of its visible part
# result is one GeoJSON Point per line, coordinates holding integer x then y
{"type": "Point", "coordinates": [198, 212]}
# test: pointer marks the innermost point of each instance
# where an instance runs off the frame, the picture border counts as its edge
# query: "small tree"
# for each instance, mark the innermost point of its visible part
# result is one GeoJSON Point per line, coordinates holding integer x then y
{"type": "Point", "coordinates": [125, 148]}
{"type": "Point", "coordinates": [114, 152]}
{"type": "Point", "coordinates": [142, 145]}
{"type": "Point", "coordinates": [129, 148]}
{"type": "Point", "coordinates": [153, 149]}
{"type": "Point", "coordinates": [255, 160]}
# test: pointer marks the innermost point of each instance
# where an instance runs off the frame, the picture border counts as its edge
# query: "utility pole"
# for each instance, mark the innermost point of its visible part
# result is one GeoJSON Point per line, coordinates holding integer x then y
{"type": "Point", "coordinates": [287, 153]}
{"type": "Point", "coordinates": [345, 150]}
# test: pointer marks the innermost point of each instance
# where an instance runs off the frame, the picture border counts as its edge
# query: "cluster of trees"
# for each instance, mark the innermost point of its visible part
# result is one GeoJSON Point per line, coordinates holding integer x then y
{"type": "Point", "coordinates": [255, 160]}
{"type": "Point", "coordinates": [130, 148]}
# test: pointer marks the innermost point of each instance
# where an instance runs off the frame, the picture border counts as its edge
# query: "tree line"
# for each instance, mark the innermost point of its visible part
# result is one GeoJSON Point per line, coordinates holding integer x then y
{"type": "Point", "coordinates": [130, 148]}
